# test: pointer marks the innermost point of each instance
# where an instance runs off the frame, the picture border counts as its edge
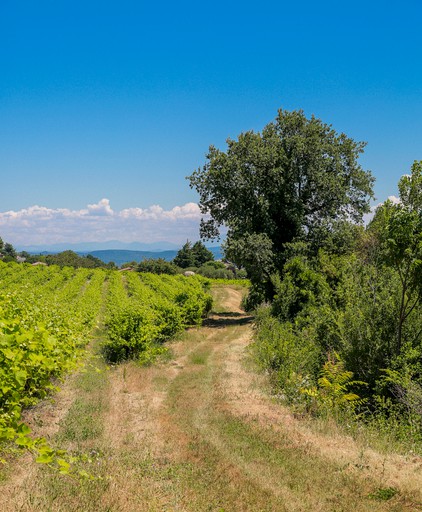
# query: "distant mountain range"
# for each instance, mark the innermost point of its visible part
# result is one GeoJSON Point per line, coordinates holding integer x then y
{"type": "Point", "coordinates": [116, 251]}
{"type": "Point", "coordinates": [99, 246]}
{"type": "Point", "coordinates": [122, 256]}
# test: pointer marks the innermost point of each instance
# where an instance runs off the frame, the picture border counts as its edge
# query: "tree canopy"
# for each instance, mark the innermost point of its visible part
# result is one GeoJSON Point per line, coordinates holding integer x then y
{"type": "Point", "coordinates": [193, 255]}
{"type": "Point", "coordinates": [157, 266]}
{"type": "Point", "coordinates": [398, 230]}
{"type": "Point", "coordinates": [71, 259]}
{"type": "Point", "coordinates": [7, 251]}
{"type": "Point", "coordinates": [282, 184]}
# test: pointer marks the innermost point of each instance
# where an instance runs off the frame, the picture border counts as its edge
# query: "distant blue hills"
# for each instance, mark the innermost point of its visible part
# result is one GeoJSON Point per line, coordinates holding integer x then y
{"type": "Point", "coordinates": [124, 256]}
{"type": "Point", "coordinates": [116, 251]}
{"type": "Point", "coordinates": [85, 247]}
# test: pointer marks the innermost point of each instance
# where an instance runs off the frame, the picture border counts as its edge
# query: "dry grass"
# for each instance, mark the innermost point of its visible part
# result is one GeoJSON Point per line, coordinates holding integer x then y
{"type": "Point", "coordinates": [198, 433]}
{"type": "Point", "coordinates": [244, 397]}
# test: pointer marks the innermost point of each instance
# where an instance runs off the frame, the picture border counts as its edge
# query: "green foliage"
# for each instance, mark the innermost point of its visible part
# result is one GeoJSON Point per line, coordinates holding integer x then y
{"type": "Point", "coordinates": [397, 231]}
{"type": "Point", "coordinates": [129, 332]}
{"type": "Point", "coordinates": [291, 360]}
{"type": "Point", "coordinates": [157, 266]}
{"type": "Point", "coordinates": [145, 310]}
{"type": "Point", "coordinates": [154, 352]}
{"type": "Point", "coordinates": [201, 254]}
{"type": "Point", "coordinates": [255, 297]}
{"type": "Point", "coordinates": [333, 389]}
{"type": "Point", "coordinates": [71, 259]}
{"type": "Point", "coordinates": [384, 493]}
{"type": "Point", "coordinates": [366, 318]}
{"type": "Point", "coordinates": [218, 265]}
{"type": "Point", "coordinates": [301, 287]}
{"type": "Point", "coordinates": [254, 253]}
{"type": "Point", "coordinates": [280, 185]}
{"type": "Point", "coordinates": [242, 282]}
{"type": "Point", "coordinates": [184, 257]}
{"type": "Point", "coordinates": [7, 252]}
{"type": "Point", "coordinates": [410, 187]}
{"type": "Point", "coordinates": [46, 315]}
{"type": "Point", "coordinates": [193, 255]}
{"type": "Point", "coordinates": [215, 270]}
{"type": "Point", "coordinates": [364, 304]}
{"type": "Point", "coordinates": [406, 390]}
{"type": "Point", "coordinates": [336, 237]}
{"type": "Point", "coordinates": [67, 259]}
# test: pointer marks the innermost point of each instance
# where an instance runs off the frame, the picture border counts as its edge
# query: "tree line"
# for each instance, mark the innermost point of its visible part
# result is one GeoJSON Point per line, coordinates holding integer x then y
{"type": "Point", "coordinates": [338, 305]}
{"type": "Point", "coordinates": [191, 257]}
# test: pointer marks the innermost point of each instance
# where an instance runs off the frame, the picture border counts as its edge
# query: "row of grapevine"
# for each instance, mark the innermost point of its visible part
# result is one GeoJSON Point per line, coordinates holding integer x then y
{"type": "Point", "coordinates": [188, 294]}
{"type": "Point", "coordinates": [46, 315]}
{"type": "Point", "coordinates": [145, 311]}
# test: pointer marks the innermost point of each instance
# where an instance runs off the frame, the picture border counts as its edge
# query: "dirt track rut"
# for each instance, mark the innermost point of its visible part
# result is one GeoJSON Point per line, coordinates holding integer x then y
{"type": "Point", "coordinates": [200, 433]}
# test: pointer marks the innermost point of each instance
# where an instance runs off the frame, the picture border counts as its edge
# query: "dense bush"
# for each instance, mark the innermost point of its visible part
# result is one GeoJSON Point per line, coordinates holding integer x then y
{"type": "Point", "coordinates": [358, 304]}
{"type": "Point", "coordinates": [215, 270]}
{"type": "Point", "coordinates": [346, 306]}
{"type": "Point", "coordinates": [157, 266]}
{"type": "Point", "coordinates": [146, 309]}
{"type": "Point", "coordinates": [130, 331]}
{"type": "Point", "coordinates": [290, 359]}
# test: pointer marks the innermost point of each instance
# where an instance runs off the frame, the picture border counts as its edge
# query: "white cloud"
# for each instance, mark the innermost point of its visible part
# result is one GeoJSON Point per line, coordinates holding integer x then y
{"type": "Point", "coordinates": [394, 199]}
{"type": "Point", "coordinates": [101, 208]}
{"type": "Point", "coordinates": [369, 216]}
{"type": "Point", "coordinates": [99, 222]}
{"type": "Point", "coordinates": [155, 212]}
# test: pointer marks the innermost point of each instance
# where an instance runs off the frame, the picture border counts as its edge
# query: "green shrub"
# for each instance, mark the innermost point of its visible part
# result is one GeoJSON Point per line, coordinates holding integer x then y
{"type": "Point", "coordinates": [157, 266]}
{"type": "Point", "coordinates": [145, 310]}
{"type": "Point", "coordinates": [129, 333]}
{"type": "Point", "coordinates": [291, 360]}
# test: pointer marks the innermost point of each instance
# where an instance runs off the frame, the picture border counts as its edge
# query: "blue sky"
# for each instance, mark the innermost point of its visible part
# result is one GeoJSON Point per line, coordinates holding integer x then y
{"type": "Point", "coordinates": [119, 101]}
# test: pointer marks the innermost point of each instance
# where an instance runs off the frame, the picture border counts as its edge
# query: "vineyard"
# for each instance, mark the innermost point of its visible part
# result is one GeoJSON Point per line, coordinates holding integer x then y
{"type": "Point", "coordinates": [47, 315]}
{"type": "Point", "coordinates": [194, 431]}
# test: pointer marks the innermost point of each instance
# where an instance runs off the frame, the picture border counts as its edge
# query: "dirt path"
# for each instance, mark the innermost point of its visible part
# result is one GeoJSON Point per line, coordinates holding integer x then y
{"type": "Point", "coordinates": [199, 433]}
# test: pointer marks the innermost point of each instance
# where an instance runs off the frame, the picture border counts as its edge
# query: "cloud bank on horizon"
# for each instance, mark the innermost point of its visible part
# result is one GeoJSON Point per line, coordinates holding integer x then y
{"type": "Point", "coordinates": [99, 222]}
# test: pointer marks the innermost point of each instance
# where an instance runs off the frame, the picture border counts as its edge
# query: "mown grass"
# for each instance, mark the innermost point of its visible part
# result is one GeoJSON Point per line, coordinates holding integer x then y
{"type": "Point", "coordinates": [200, 356]}
{"type": "Point", "coordinates": [220, 293]}
{"type": "Point", "coordinates": [80, 433]}
{"type": "Point", "coordinates": [202, 456]}
{"type": "Point", "coordinates": [246, 467]}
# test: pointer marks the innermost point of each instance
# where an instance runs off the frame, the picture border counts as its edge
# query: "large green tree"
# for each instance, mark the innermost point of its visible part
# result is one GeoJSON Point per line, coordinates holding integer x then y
{"type": "Point", "coordinates": [398, 228]}
{"type": "Point", "coordinates": [281, 183]}
{"type": "Point", "coordinates": [193, 255]}
{"type": "Point", "coordinates": [7, 251]}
